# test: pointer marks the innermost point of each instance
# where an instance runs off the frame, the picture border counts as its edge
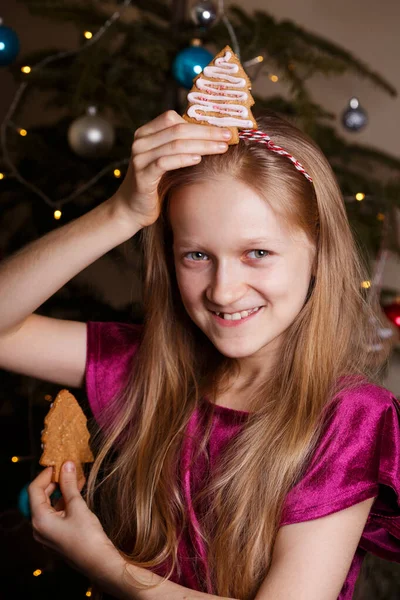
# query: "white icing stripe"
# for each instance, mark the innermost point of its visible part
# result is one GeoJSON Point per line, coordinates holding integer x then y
{"type": "Point", "coordinates": [226, 121]}
{"type": "Point", "coordinates": [220, 74]}
{"type": "Point", "coordinates": [216, 100]}
{"type": "Point", "coordinates": [215, 88]}
{"type": "Point", "coordinates": [230, 109]}
{"type": "Point", "coordinates": [203, 98]}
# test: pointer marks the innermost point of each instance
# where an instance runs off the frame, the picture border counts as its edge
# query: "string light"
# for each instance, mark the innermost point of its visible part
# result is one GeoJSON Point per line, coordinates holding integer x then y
{"type": "Point", "coordinates": [89, 592]}
{"type": "Point", "coordinates": [380, 217]}
{"type": "Point", "coordinates": [17, 459]}
{"type": "Point", "coordinates": [366, 284]}
{"type": "Point", "coordinates": [57, 214]}
{"type": "Point", "coordinates": [88, 35]}
{"type": "Point", "coordinates": [274, 78]}
{"type": "Point", "coordinates": [22, 132]}
{"type": "Point", "coordinates": [253, 61]}
{"type": "Point", "coordinates": [26, 69]}
{"type": "Point", "coordinates": [117, 173]}
{"type": "Point", "coordinates": [358, 196]}
{"type": "Point", "coordinates": [37, 572]}
{"type": "Point", "coordinates": [1, 175]}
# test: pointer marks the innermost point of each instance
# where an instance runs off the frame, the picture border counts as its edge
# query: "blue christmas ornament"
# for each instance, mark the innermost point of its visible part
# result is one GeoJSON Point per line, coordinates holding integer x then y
{"type": "Point", "coordinates": [189, 63]}
{"type": "Point", "coordinates": [23, 502]}
{"type": "Point", "coordinates": [9, 45]}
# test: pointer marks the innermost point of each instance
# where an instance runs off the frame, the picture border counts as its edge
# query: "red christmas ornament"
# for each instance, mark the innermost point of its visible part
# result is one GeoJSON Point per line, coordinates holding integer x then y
{"type": "Point", "coordinates": [392, 311]}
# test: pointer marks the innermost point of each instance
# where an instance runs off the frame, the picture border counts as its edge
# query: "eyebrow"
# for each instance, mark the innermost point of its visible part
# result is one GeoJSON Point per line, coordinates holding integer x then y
{"type": "Point", "coordinates": [261, 240]}
{"type": "Point", "coordinates": [243, 242]}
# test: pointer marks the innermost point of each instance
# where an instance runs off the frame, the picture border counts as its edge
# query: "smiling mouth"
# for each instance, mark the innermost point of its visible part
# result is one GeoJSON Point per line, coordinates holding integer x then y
{"type": "Point", "coordinates": [237, 315]}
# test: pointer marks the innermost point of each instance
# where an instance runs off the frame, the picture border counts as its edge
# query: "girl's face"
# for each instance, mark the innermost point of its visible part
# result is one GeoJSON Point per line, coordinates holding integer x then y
{"type": "Point", "coordinates": [234, 257]}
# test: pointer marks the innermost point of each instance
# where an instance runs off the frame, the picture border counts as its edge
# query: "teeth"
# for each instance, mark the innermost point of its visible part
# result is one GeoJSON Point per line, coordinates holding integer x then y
{"type": "Point", "coordinates": [237, 316]}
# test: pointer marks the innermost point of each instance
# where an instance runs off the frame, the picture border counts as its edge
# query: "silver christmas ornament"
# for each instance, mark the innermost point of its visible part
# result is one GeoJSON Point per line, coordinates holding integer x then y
{"type": "Point", "coordinates": [203, 13]}
{"type": "Point", "coordinates": [91, 136]}
{"type": "Point", "coordinates": [354, 117]}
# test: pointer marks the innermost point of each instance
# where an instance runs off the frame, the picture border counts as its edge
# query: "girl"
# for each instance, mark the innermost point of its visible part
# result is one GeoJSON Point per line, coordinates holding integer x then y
{"type": "Point", "coordinates": [245, 447]}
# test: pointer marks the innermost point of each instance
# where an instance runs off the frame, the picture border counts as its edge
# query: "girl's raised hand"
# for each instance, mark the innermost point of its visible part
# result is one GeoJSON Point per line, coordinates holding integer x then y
{"type": "Point", "coordinates": [166, 143]}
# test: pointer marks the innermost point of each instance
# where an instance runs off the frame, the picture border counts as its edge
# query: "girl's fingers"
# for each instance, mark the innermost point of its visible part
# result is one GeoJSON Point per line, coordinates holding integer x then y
{"type": "Point", "coordinates": [38, 497]}
{"type": "Point", "coordinates": [181, 131]}
{"type": "Point", "coordinates": [167, 119]}
{"type": "Point", "coordinates": [50, 489]}
{"type": "Point", "coordinates": [179, 147]}
{"type": "Point", "coordinates": [169, 163]}
{"type": "Point", "coordinates": [59, 503]}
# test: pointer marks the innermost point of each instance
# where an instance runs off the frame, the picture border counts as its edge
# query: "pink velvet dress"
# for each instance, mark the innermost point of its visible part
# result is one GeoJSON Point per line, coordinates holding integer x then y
{"type": "Point", "coordinates": [358, 457]}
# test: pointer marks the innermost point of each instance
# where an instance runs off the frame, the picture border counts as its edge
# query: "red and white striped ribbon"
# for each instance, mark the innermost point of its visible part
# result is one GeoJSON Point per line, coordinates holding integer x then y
{"type": "Point", "coordinates": [261, 137]}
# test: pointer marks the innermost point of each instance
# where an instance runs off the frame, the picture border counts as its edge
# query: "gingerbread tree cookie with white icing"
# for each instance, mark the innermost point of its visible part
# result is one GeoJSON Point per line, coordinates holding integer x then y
{"type": "Point", "coordinates": [221, 96]}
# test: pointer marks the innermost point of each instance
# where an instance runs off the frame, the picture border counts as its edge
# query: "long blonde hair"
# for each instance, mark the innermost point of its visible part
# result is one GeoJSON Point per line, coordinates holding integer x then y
{"type": "Point", "coordinates": [133, 484]}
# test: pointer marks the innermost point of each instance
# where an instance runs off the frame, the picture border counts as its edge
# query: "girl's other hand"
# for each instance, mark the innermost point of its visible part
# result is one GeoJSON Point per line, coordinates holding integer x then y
{"type": "Point", "coordinates": [166, 143]}
{"type": "Point", "coordinates": [69, 528]}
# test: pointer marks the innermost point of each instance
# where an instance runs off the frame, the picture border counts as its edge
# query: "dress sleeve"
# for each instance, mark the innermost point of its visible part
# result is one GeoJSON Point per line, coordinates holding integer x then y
{"type": "Point", "coordinates": [110, 349]}
{"type": "Point", "coordinates": [358, 457]}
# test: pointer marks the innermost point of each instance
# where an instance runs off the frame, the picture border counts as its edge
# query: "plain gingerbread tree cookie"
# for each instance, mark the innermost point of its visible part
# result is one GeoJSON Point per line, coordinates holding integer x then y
{"type": "Point", "coordinates": [65, 436]}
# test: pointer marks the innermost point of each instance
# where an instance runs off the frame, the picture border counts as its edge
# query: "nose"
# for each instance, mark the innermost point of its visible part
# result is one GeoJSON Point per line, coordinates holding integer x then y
{"type": "Point", "coordinates": [227, 285]}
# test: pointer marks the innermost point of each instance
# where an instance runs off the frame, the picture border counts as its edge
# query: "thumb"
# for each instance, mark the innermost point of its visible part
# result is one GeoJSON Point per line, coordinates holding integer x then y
{"type": "Point", "coordinates": [68, 482]}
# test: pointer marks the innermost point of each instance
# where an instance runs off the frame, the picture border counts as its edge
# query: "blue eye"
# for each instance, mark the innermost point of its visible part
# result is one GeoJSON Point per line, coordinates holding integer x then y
{"type": "Point", "coordinates": [198, 256]}
{"type": "Point", "coordinates": [262, 253]}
